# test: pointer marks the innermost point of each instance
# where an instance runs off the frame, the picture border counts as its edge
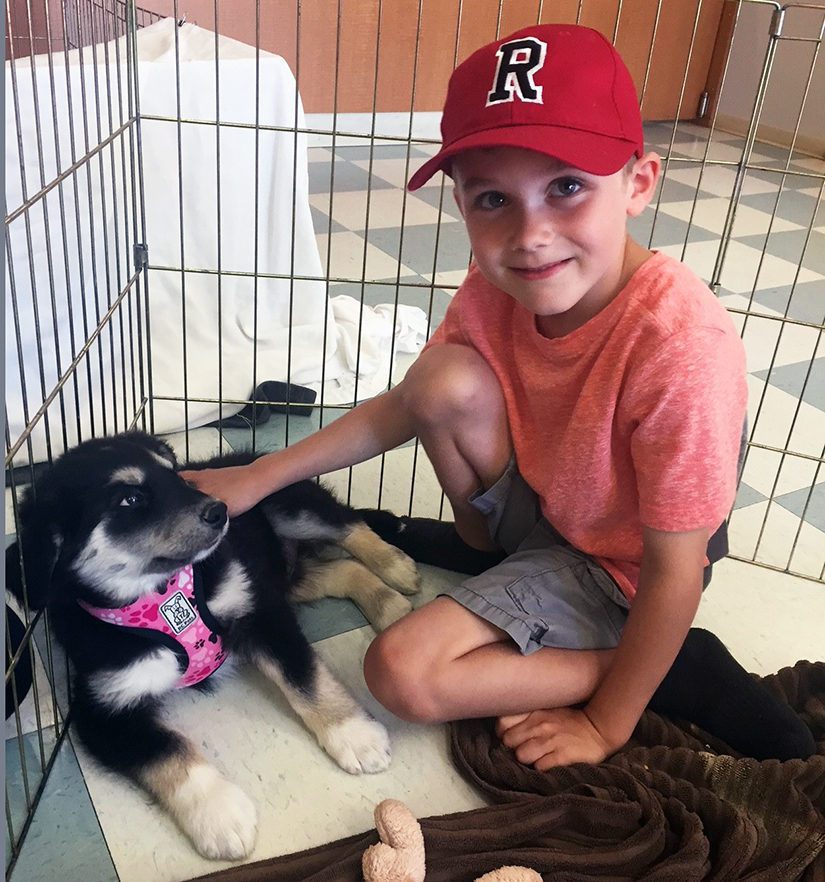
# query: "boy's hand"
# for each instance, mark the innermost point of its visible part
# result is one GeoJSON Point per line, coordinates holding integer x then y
{"type": "Point", "coordinates": [237, 486]}
{"type": "Point", "coordinates": [548, 738]}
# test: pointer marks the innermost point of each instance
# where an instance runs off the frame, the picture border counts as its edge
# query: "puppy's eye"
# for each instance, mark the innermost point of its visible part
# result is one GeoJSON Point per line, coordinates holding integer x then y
{"type": "Point", "coordinates": [132, 498]}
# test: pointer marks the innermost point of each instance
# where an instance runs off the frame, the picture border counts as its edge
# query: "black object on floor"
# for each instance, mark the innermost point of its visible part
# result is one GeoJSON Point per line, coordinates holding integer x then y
{"type": "Point", "coordinates": [273, 396]}
{"type": "Point", "coordinates": [23, 672]}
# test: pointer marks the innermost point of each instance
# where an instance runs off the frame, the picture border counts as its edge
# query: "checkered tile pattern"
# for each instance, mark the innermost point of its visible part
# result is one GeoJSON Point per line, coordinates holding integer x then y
{"type": "Point", "coordinates": [376, 239]}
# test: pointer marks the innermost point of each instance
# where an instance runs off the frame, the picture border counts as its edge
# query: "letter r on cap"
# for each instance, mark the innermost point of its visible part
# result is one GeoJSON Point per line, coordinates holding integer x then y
{"type": "Point", "coordinates": [518, 62]}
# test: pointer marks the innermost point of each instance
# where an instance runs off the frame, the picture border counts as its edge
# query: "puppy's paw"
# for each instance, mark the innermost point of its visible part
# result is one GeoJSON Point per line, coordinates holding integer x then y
{"type": "Point", "coordinates": [358, 744]}
{"type": "Point", "coordinates": [399, 572]}
{"type": "Point", "coordinates": [390, 608]}
{"type": "Point", "coordinates": [217, 815]}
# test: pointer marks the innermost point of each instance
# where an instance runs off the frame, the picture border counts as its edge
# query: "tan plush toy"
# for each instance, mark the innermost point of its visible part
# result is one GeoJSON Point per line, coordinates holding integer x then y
{"type": "Point", "coordinates": [399, 856]}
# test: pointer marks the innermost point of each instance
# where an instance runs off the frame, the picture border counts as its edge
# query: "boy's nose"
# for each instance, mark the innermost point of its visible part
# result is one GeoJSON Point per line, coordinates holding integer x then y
{"type": "Point", "coordinates": [532, 230]}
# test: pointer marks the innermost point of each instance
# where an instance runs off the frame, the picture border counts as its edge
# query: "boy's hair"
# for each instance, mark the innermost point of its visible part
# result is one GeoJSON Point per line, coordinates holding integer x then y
{"type": "Point", "coordinates": [562, 90]}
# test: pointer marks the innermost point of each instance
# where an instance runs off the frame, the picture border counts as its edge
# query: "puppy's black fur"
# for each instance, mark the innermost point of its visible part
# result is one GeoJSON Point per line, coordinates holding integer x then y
{"type": "Point", "coordinates": [111, 520]}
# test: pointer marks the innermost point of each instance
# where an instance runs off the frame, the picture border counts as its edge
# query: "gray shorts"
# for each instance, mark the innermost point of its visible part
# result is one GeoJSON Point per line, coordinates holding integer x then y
{"type": "Point", "coordinates": [545, 593]}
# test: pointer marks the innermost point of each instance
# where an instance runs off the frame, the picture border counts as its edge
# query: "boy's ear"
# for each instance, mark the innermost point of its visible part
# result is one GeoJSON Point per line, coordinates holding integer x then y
{"type": "Point", "coordinates": [643, 176]}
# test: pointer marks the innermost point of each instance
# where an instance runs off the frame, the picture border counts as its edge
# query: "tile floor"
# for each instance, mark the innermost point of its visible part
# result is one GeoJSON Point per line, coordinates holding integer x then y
{"type": "Point", "coordinates": [90, 826]}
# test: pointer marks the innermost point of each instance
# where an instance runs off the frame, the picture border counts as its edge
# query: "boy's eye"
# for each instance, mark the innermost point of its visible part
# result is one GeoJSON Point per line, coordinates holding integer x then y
{"type": "Point", "coordinates": [565, 187]}
{"type": "Point", "coordinates": [490, 200]}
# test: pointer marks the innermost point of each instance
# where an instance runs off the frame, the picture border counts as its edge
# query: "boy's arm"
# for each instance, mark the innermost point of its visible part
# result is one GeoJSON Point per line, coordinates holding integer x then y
{"type": "Point", "coordinates": [667, 597]}
{"type": "Point", "coordinates": [373, 427]}
{"type": "Point", "coordinates": [670, 585]}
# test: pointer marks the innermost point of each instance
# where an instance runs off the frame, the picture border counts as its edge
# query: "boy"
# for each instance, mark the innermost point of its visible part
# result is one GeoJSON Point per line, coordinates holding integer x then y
{"type": "Point", "coordinates": [582, 404]}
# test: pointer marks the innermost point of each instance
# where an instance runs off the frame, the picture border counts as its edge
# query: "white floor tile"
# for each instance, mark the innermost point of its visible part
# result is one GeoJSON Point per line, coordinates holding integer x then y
{"type": "Point", "coordinates": [453, 278]}
{"type": "Point", "coordinates": [203, 443]}
{"type": "Point", "coordinates": [719, 151]}
{"type": "Point", "coordinates": [718, 180]}
{"type": "Point", "coordinates": [811, 164]}
{"type": "Point", "coordinates": [774, 474]}
{"type": "Point", "coordinates": [710, 214]}
{"type": "Point", "coordinates": [386, 208]}
{"type": "Point", "coordinates": [405, 477]}
{"type": "Point", "coordinates": [770, 342]}
{"type": "Point", "coordinates": [747, 304]}
{"type": "Point", "coordinates": [744, 268]}
{"type": "Point", "coordinates": [347, 258]}
{"type": "Point", "coordinates": [398, 172]}
{"type": "Point", "coordinates": [319, 154]}
{"type": "Point", "coordinates": [780, 420]}
{"type": "Point", "coordinates": [768, 620]}
{"type": "Point", "coordinates": [768, 533]}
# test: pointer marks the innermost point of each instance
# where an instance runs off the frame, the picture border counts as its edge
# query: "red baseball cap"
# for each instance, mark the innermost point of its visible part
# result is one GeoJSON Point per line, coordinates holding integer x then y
{"type": "Point", "coordinates": [562, 90]}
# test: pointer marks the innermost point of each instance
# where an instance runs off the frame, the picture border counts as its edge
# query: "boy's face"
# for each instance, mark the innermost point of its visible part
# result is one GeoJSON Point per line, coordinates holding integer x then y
{"type": "Point", "coordinates": [549, 235]}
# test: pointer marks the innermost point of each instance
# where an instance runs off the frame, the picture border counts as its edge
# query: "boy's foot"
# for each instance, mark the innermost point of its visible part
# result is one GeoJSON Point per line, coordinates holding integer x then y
{"type": "Point", "coordinates": [708, 687]}
{"type": "Point", "coordinates": [429, 541]}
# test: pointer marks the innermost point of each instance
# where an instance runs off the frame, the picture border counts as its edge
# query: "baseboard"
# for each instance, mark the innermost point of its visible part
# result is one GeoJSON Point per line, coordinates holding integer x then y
{"type": "Point", "coordinates": [813, 146]}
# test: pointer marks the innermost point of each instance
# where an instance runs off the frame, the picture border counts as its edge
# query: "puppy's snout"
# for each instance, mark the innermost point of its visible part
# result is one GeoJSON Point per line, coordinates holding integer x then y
{"type": "Point", "coordinates": [214, 513]}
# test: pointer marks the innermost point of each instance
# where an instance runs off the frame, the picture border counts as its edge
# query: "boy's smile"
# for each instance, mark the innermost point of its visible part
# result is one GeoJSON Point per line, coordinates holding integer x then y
{"type": "Point", "coordinates": [549, 235]}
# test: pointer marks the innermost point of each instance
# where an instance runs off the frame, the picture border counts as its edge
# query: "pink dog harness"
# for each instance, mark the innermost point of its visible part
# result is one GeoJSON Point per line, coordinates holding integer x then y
{"type": "Point", "coordinates": [172, 610]}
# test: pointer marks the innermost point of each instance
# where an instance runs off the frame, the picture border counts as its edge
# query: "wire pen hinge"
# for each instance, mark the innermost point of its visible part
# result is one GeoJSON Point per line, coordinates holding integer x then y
{"type": "Point", "coordinates": [140, 252]}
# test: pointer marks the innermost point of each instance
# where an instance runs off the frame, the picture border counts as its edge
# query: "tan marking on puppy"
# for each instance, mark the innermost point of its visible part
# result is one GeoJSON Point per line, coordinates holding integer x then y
{"type": "Point", "coordinates": [386, 561]}
{"type": "Point", "coordinates": [128, 475]}
{"type": "Point", "coordinates": [349, 578]}
{"type": "Point", "coordinates": [217, 816]}
{"type": "Point", "coordinates": [356, 741]}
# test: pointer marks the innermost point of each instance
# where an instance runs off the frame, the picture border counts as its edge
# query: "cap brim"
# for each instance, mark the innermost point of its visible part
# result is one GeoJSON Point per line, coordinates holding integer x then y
{"type": "Point", "coordinates": [590, 152]}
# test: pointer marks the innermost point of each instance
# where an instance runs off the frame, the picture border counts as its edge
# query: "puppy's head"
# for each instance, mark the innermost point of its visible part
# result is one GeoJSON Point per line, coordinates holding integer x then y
{"type": "Point", "coordinates": [114, 514]}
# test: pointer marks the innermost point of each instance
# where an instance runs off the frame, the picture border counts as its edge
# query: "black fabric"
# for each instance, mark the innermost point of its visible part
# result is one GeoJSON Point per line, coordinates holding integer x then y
{"type": "Point", "coordinates": [271, 396]}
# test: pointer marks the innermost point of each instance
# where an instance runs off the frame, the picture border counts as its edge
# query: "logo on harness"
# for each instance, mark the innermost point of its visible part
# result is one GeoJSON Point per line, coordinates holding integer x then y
{"type": "Point", "coordinates": [178, 612]}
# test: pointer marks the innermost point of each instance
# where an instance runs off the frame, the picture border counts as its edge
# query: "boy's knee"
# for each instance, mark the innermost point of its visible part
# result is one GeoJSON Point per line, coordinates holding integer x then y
{"type": "Point", "coordinates": [398, 682]}
{"type": "Point", "coordinates": [448, 381]}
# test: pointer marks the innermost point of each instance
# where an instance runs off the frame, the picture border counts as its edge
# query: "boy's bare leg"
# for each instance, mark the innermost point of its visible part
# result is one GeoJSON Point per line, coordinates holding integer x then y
{"type": "Point", "coordinates": [443, 662]}
{"type": "Point", "coordinates": [457, 406]}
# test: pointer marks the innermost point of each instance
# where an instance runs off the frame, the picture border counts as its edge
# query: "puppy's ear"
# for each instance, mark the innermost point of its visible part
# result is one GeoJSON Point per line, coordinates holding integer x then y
{"type": "Point", "coordinates": [40, 541]}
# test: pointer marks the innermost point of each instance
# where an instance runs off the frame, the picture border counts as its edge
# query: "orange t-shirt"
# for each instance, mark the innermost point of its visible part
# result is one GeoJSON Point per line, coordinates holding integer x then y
{"type": "Point", "coordinates": [633, 419]}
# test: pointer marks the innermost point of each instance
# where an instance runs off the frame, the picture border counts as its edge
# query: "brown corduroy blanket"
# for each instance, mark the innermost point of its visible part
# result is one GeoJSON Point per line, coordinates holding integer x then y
{"type": "Point", "coordinates": [671, 806]}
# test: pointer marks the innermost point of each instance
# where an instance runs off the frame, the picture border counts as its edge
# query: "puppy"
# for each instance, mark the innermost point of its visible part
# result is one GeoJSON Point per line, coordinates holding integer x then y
{"type": "Point", "coordinates": [149, 586]}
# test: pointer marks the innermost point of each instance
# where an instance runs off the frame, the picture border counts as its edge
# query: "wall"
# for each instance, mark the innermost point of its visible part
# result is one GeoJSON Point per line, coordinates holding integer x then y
{"type": "Point", "coordinates": [791, 67]}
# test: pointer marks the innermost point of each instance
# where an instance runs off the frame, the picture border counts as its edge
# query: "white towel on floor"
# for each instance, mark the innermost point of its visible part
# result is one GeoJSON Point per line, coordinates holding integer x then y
{"type": "Point", "coordinates": [363, 360]}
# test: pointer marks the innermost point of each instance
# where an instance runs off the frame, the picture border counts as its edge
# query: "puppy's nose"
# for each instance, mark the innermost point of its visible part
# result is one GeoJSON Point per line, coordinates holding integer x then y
{"type": "Point", "coordinates": [214, 513]}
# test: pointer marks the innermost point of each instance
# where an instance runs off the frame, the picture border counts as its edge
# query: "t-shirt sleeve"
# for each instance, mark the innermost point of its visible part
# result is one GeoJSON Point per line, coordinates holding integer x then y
{"type": "Point", "coordinates": [450, 330]}
{"type": "Point", "coordinates": [689, 403]}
